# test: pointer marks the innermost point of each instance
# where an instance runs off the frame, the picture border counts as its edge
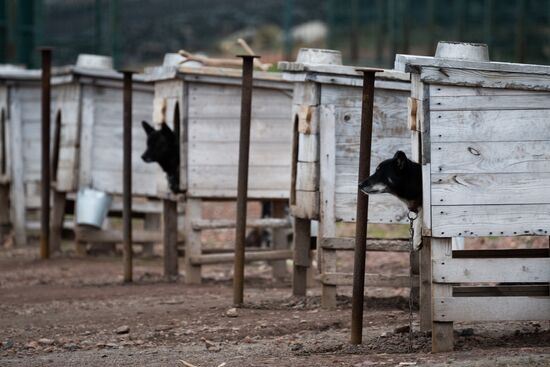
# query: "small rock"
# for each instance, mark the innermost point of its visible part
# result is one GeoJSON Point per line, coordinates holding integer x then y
{"type": "Point", "coordinates": [385, 334]}
{"type": "Point", "coordinates": [163, 327]}
{"type": "Point", "coordinates": [248, 339]}
{"type": "Point", "coordinates": [124, 329]}
{"type": "Point", "coordinates": [401, 329]}
{"type": "Point", "coordinates": [303, 321]}
{"type": "Point", "coordinates": [32, 345]}
{"type": "Point", "coordinates": [232, 312]}
{"type": "Point", "coordinates": [7, 344]}
{"type": "Point", "coordinates": [467, 332]}
{"type": "Point", "coordinates": [45, 341]}
{"type": "Point", "coordinates": [111, 345]}
{"type": "Point", "coordinates": [71, 347]}
{"type": "Point", "coordinates": [296, 347]}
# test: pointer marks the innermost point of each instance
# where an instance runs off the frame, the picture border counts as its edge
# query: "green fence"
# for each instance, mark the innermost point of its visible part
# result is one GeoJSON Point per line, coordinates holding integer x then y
{"type": "Point", "coordinates": [138, 32]}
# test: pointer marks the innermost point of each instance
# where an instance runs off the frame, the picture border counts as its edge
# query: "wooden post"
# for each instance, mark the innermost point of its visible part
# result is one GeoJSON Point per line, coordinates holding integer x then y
{"type": "Point", "coordinates": [425, 307]}
{"type": "Point", "coordinates": [170, 238]}
{"type": "Point", "coordinates": [151, 223]}
{"type": "Point", "coordinates": [4, 212]}
{"type": "Point", "coordinates": [242, 184]}
{"type": "Point", "coordinates": [442, 332]}
{"type": "Point", "coordinates": [193, 244]}
{"type": "Point", "coordinates": [45, 182]}
{"type": "Point", "coordinates": [58, 215]}
{"type": "Point", "coordinates": [127, 177]}
{"type": "Point", "coordinates": [302, 233]}
{"type": "Point", "coordinates": [280, 241]}
{"type": "Point", "coordinates": [362, 212]}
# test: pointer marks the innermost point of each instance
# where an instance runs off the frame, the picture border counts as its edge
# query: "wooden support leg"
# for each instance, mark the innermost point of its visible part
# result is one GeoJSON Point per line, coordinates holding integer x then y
{"type": "Point", "coordinates": [414, 259]}
{"type": "Point", "coordinates": [280, 241]}
{"type": "Point", "coordinates": [56, 226]}
{"type": "Point", "coordinates": [301, 256]}
{"type": "Point", "coordinates": [80, 245]}
{"type": "Point", "coordinates": [193, 246]}
{"type": "Point", "coordinates": [151, 223]}
{"type": "Point", "coordinates": [4, 212]}
{"type": "Point", "coordinates": [170, 235]}
{"type": "Point", "coordinates": [425, 306]}
{"type": "Point", "coordinates": [328, 291]}
{"type": "Point", "coordinates": [442, 332]}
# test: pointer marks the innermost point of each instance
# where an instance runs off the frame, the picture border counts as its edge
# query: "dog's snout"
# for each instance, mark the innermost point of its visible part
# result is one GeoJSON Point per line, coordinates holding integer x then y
{"type": "Point", "coordinates": [145, 157]}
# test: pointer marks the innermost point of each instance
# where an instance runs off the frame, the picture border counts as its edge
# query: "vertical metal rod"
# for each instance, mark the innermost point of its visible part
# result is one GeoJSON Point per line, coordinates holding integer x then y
{"type": "Point", "coordinates": [362, 207]}
{"type": "Point", "coordinates": [127, 177]}
{"type": "Point", "coordinates": [45, 193]}
{"type": "Point", "coordinates": [242, 187]}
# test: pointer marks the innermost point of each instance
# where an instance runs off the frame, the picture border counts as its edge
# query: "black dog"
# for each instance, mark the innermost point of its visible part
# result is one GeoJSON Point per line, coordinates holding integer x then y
{"type": "Point", "coordinates": [398, 176]}
{"type": "Point", "coordinates": [162, 147]}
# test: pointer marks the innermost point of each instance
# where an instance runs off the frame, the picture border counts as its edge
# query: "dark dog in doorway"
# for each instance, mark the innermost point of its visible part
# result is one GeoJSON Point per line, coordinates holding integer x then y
{"type": "Point", "coordinates": [162, 147]}
{"type": "Point", "coordinates": [398, 176]}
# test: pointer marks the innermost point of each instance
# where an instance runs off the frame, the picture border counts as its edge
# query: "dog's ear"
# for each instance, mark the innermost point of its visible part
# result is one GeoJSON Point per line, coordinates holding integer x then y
{"type": "Point", "coordinates": [148, 128]}
{"type": "Point", "coordinates": [165, 128]}
{"type": "Point", "coordinates": [400, 159]}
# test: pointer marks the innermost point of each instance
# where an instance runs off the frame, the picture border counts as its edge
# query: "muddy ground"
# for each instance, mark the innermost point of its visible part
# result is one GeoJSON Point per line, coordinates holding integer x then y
{"type": "Point", "coordinates": [72, 311]}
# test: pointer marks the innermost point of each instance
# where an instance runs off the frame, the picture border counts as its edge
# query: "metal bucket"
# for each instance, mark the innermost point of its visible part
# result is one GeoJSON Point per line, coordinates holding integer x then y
{"type": "Point", "coordinates": [92, 207]}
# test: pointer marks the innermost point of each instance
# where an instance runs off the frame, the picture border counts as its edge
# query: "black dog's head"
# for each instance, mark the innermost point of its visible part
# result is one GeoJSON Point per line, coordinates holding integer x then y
{"type": "Point", "coordinates": [162, 147]}
{"type": "Point", "coordinates": [398, 176]}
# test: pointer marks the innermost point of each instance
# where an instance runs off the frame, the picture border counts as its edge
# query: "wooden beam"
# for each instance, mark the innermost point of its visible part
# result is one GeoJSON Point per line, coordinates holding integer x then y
{"type": "Point", "coordinates": [250, 256]}
{"type": "Point", "coordinates": [371, 280]}
{"type": "Point", "coordinates": [373, 244]}
{"type": "Point", "coordinates": [202, 224]}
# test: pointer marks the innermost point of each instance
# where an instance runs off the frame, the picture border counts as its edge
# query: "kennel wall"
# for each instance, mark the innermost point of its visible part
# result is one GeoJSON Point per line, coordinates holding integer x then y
{"type": "Point", "coordinates": [87, 143]}
{"type": "Point", "coordinates": [483, 139]}
{"type": "Point", "coordinates": [203, 104]}
{"type": "Point", "coordinates": [20, 101]}
{"type": "Point", "coordinates": [326, 115]}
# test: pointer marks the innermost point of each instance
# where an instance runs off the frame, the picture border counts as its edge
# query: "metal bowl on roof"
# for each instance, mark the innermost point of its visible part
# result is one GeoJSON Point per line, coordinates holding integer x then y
{"type": "Point", "coordinates": [319, 56]}
{"type": "Point", "coordinates": [94, 61]}
{"type": "Point", "coordinates": [462, 51]}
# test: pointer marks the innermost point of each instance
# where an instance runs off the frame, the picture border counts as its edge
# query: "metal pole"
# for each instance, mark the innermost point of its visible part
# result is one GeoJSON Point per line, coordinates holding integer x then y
{"type": "Point", "coordinates": [45, 194]}
{"type": "Point", "coordinates": [242, 187]}
{"type": "Point", "coordinates": [362, 207]}
{"type": "Point", "coordinates": [127, 177]}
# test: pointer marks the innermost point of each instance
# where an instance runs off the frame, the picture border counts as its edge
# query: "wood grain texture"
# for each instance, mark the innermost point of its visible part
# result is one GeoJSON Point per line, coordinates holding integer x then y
{"type": "Point", "coordinates": [497, 125]}
{"type": "Point", "coordinates": [525, 270]}
{"type": "Point", "coordinates": [490, 189]}
{"type": "Point", "coordinates": [371, 280]}
{"type": "Point", "coordinates": [484, 103]}
{"type": "Point", "coordinates": [227, 130]}
{"type": "Point", "coordinates": [383, 208]}
{"type": "Point", "coordinates": [491, 157]}
{"type": "Point", "coordinates": [501, 308]}
{"type": "Point", "coordinates": [490, 220]}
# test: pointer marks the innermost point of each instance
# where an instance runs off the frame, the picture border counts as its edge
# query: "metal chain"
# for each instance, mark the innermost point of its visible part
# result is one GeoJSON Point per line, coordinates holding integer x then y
{"type": "Point", "coordinates": [412, 217]}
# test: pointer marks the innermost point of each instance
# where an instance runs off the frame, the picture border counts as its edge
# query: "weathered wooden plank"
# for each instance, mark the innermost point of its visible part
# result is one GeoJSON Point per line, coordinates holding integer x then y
{"type": "Point", "coordinates": [442, 332]}
{"type": "Point", "coordinates": [426, 214]}
{"type": "Point", "coordinates": [491, 308]}
{"type": "Point", "coordinates": [114, 236]}
{"type": "Point", "coordinates": [371, 280]}
{"type": "Point", "coordinates": [307, 177]}
{"type": "Point", "coordinates": [504, 188]}
{"type": "Point", "coordinates": [388, 121]}
{"type": "Point", "coordinates": [502, 291]}
{"type": "Point", "coordinates": [308, 147]}
{"type": "Point", "coordinates": [248, 256]}
{"type": "Point", "coordinates": [491, 157]}
{"type": "Point", "coordinates": [489, 220]}
{"type": "Point", "coordinates": [506, 270]}
{"type": "Point", "coordinates": [227, 129]}
{"type": "Point", "coordinates": [351, 97]}
{"type": "Point", "coordinates": [17, 196]}
{"type": "Point", "coordinates": [111, 182]}
{"type": "Point", "coordinates": [383, 208]}
{"type": "Point", "coordinates": [223, 179]}
{"type": "Point", "coordinates": [373, 244]}
{"type": "Point", "coordinates": [484, 103]}
{"type": "Point", "coordinates": [202, 224]}
{"type": "Point", "coordinates": [207, 153]}
{"type": "Point", "coordinates": [498, 125]}
{"type": "Point", "coordinates": [308, 118]}
{"type": "Point", "coordinates": [306, 94]}
{"type": "Point", "coordinates": [347, 150]}
{"type": "Point", "coordinates": [109, 158]}
{"type": "Point", "coordinates": [307, 204]}
{"type": "Point", "coordinates": [516, 253]}
{"type": "Point", "coordinates": [455, 91]}
{"type": "Point", "coordinates": [486, 79]}
{"type": "Point", "coordinates": [214, 101]}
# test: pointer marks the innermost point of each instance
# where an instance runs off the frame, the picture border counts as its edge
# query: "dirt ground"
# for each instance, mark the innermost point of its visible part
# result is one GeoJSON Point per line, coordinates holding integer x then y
{"type": "Point", "coordinates": [72, 311]}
